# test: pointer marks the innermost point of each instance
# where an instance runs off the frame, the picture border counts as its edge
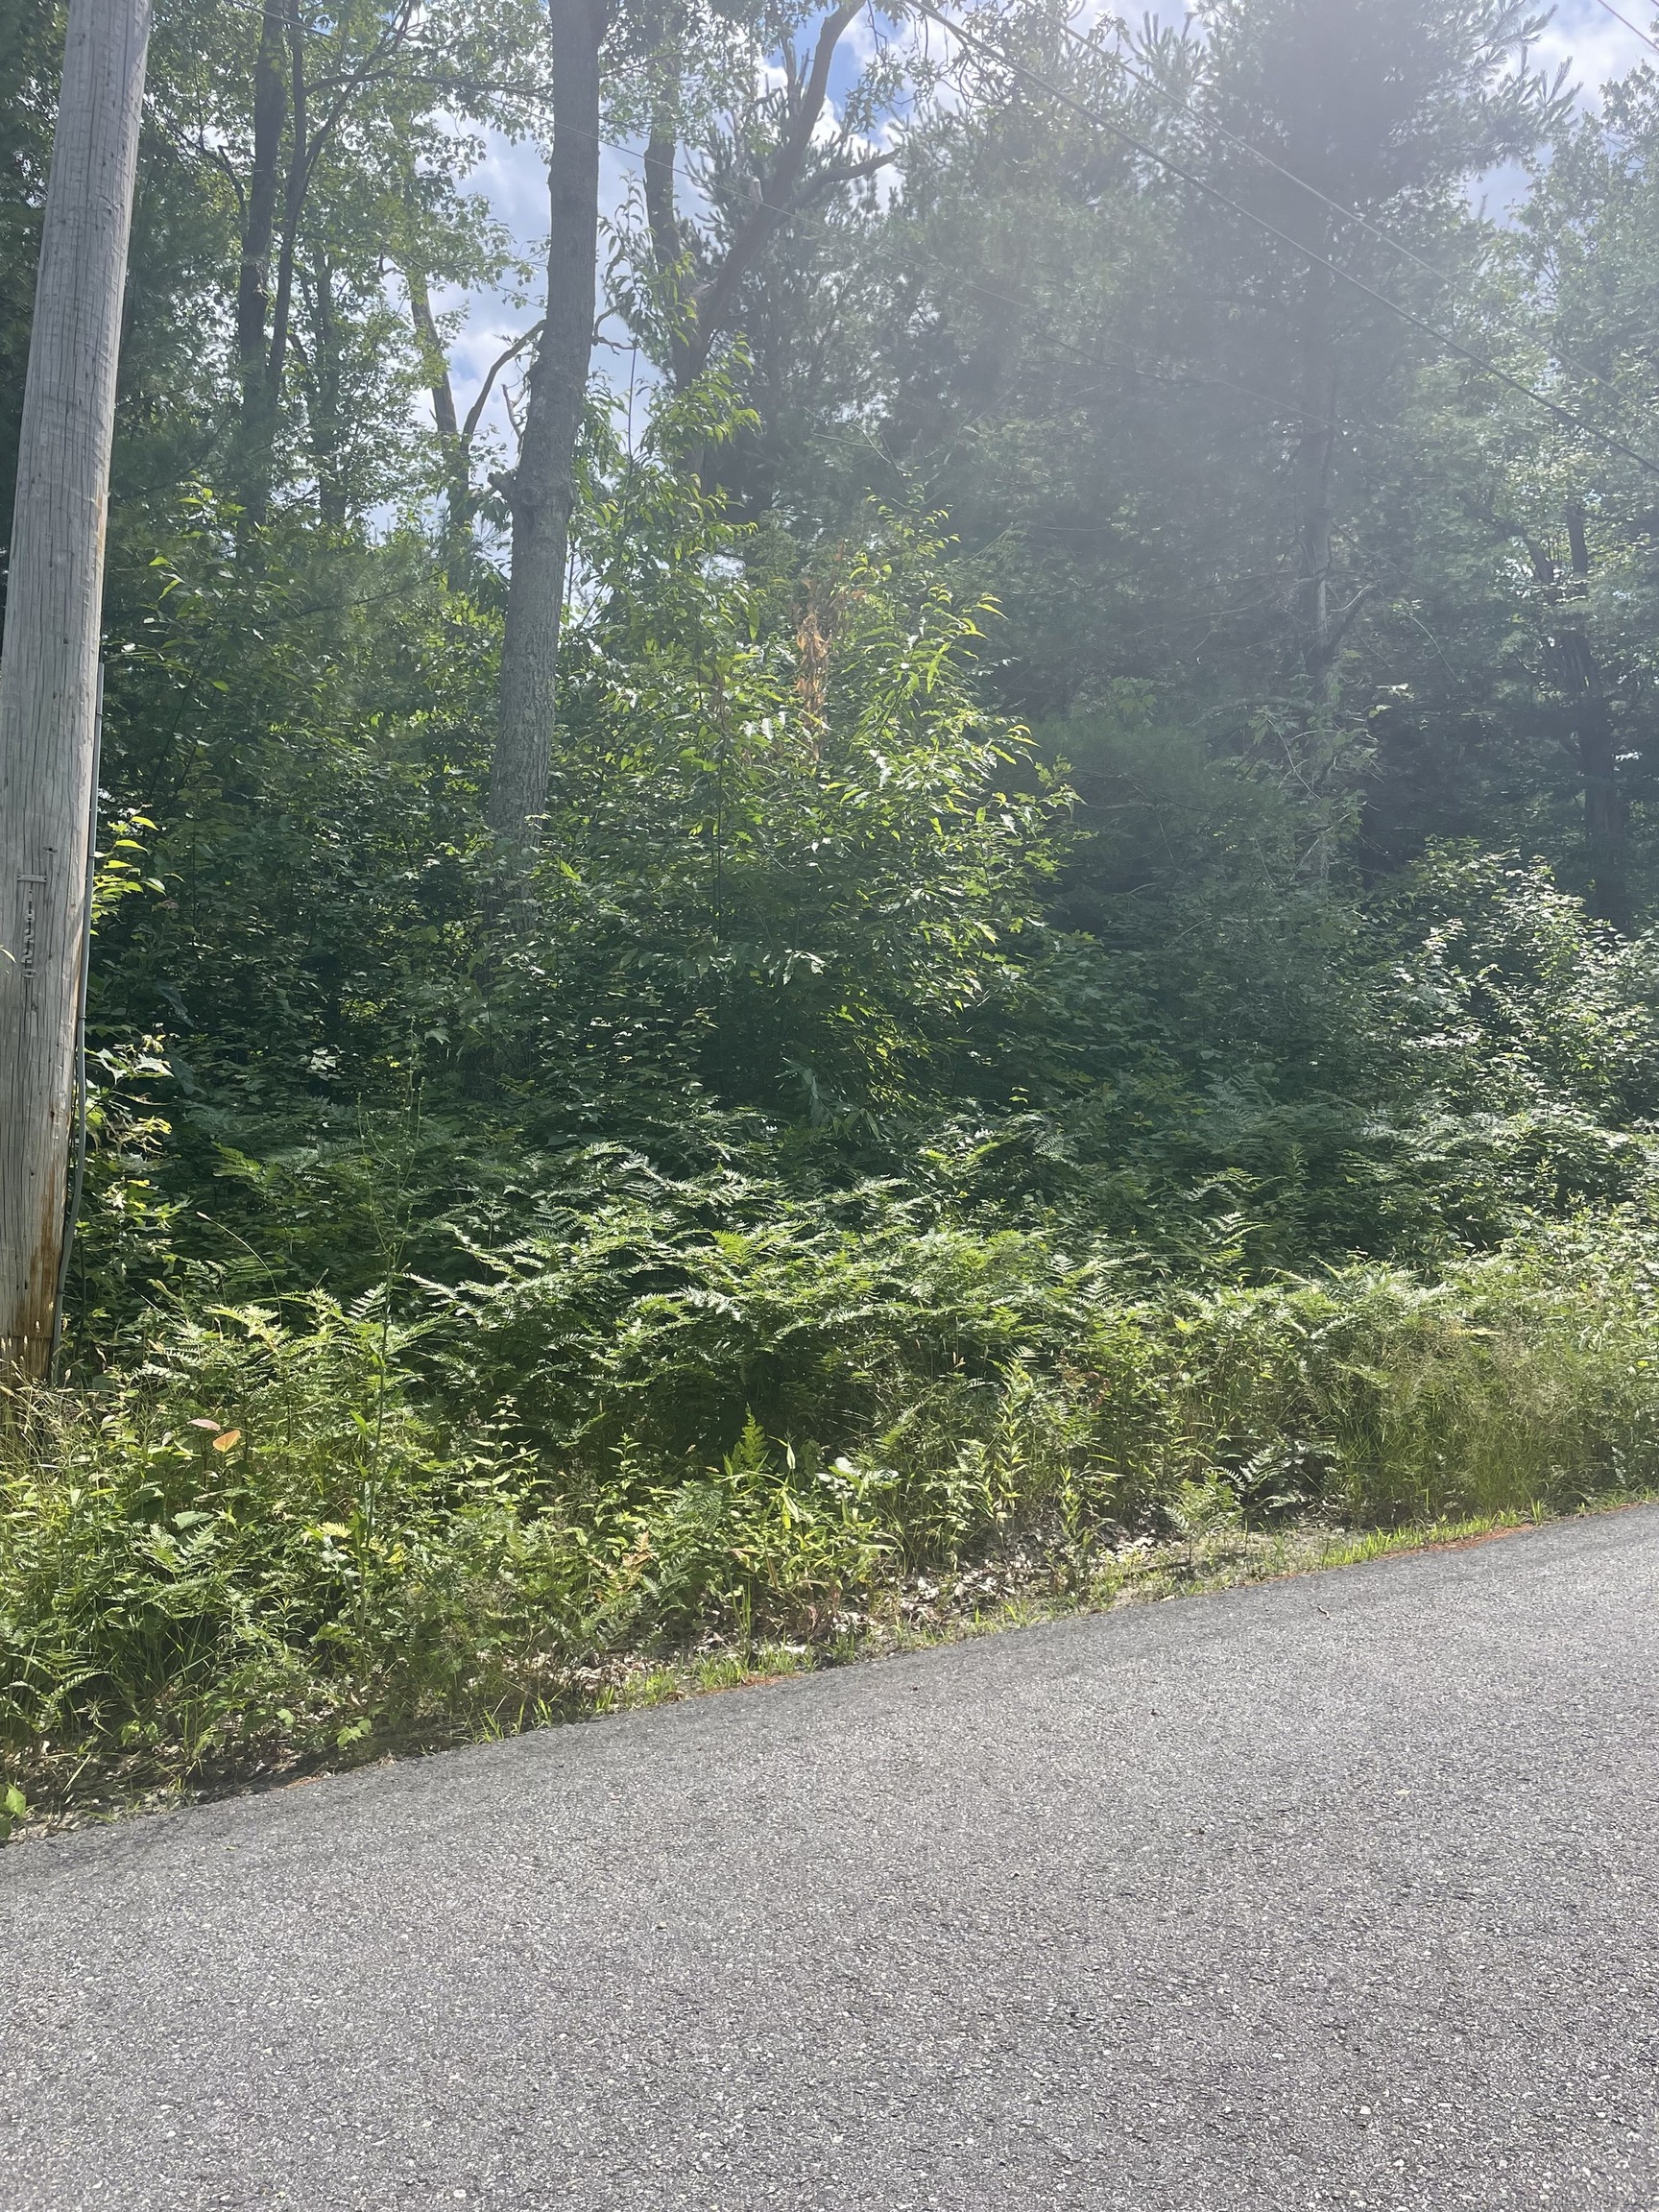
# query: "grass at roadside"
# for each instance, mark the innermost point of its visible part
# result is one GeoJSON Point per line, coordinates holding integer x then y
{"type": "Point", "coordinates": [292, 1541]}
{"type": "Point", "coordinates": [1019, 1594]}
{"type": "Point", "coordinates": [976, 1604]}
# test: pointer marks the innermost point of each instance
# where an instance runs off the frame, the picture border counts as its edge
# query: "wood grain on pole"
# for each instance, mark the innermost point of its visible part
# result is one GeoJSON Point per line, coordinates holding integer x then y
{"type": "Point", "coordinates": [49, 663]}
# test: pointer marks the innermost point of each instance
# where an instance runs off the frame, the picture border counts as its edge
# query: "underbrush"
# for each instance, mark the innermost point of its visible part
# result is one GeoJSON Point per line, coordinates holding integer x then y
{"type": "Point", "coordinates": [309, 1533]}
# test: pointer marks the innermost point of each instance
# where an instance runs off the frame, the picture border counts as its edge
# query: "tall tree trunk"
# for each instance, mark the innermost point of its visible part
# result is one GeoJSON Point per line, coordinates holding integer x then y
{"type": "Point", "coordinates": [662, 147]}
{"type": "Point", "coordinates": [263, 461]}
{"type": "Point", "coordinates": [434, 358]}
{"type": "Point", "coordinates": [49, 667]}
{"type": "Point", "coordinates": [1605, 813]}
{"type": "Point", "coordinates": [664, 31]}
{"type": "Point", "coordinates": [1577, 671]}
{"type": "Point", "coordinates": [542, 490]}
{"type": "Point", "coordinates": [326, 427]}
{"type": "Point", "coordinates": [1318, 627]}
{"type": "Point", "coordinates": [259, 226]}
{"type": "Point", "coordinates": [1317, 638]}
{"type": "Point", "coordinates": [453, 449]}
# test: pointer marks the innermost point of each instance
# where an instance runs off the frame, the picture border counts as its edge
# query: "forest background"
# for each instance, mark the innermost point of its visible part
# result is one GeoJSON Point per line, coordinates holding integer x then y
{"type": "Point", "coordinates": [1034, 945]}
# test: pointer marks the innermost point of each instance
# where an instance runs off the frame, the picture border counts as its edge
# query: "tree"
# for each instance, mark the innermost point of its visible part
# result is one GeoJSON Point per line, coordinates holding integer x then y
{"type": "Point", "coordinates": [767, 166]}
{"type": "Point", "coordinates": [762, 260]}
{"type": "Point", "coordinates": [541, 490]}
{"type": "Point", "coordinates": [684, 293]}
{"type": "Point", "coordinates": [1585, 506]}
{"type": "Point", "coordinates": [49, 683]}
{"type": "Point", "coordinates": [1384, 110]}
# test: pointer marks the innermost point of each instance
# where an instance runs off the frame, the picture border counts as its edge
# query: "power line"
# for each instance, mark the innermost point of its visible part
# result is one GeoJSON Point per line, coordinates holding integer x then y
{"type": "Point", "coordinates": [979, 46]}
{"type": "Point", "coordinates": [1645, 37]}
{"type": "Point", "coordinates": [1336, 206]}
{"type": "Point", "coordinates": [1255, 153]}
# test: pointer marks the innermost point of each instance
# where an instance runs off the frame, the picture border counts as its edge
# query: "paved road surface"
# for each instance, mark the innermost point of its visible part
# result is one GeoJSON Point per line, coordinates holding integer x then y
{"type": "Point", "coordinates": [1341, 1891]}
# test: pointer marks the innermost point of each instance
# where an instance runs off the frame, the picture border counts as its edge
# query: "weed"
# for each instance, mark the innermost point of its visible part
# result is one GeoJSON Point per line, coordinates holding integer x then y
{"type": "Point", "coordinates": [278, 1541]}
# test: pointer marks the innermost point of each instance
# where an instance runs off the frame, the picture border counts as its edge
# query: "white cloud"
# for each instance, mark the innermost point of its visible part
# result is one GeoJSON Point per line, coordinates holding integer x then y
{"type": "Point", "coordinates": [1593, 45]}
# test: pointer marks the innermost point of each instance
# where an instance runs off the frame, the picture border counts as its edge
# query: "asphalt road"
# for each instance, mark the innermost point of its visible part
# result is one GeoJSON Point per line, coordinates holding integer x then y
{"type": "Point", "coordinates": [1341, 1892]}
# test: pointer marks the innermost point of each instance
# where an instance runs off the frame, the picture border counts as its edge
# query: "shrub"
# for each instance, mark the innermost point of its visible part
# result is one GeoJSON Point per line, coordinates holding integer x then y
{"type": "Point", "coordinates": [294, 1534]}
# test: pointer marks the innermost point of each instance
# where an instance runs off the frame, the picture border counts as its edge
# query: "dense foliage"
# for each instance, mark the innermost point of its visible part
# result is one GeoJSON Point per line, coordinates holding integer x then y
{"type": "Point", "coordinates": [1089, 969]}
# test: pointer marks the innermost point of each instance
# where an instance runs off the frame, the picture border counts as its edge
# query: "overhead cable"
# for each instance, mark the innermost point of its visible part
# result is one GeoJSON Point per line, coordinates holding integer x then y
{"type": "Point", "coordinates": [987, 55]}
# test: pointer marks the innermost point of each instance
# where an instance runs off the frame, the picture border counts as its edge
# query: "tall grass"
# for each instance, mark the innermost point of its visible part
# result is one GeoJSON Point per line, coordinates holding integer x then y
{"type": "Point", "coordinates": [314, 1532]}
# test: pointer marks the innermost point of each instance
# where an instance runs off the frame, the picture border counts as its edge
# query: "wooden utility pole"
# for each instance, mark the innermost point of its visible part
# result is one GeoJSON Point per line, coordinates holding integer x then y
{"type": "Point", "coordinates": [49, 663]}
